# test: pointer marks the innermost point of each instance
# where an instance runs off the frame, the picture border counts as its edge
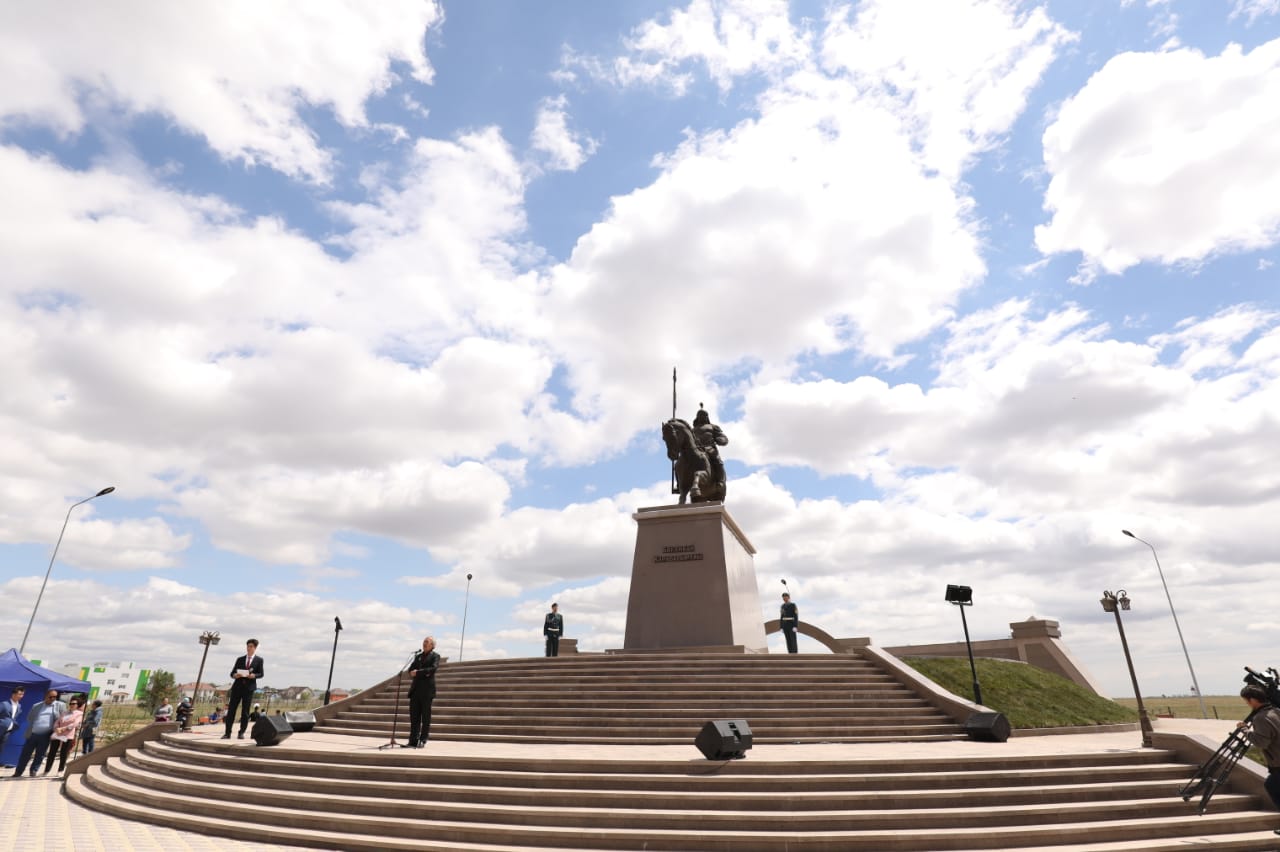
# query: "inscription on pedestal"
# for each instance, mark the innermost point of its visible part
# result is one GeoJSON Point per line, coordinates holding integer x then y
{"type": "Point", "coordinates": [679, 553]}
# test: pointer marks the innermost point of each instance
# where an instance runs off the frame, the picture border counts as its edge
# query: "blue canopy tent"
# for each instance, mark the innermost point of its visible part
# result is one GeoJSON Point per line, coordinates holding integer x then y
{"type": "Point", "coordinates": [36, 680]}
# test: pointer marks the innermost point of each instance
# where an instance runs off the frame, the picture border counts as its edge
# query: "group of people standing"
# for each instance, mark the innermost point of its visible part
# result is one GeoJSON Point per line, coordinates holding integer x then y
{"type": "Point", "coordinates": [52, 729]}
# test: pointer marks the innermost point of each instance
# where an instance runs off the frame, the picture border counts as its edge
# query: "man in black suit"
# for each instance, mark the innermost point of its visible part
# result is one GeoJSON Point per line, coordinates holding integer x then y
{"type": "Point", "coordinates": [553, 629]}
{"type": "Point", "coordinates": [422, 691]}
{"type": "Point", "coordinates": [245, 674]}
{"type": "Point", "coordinates": [790, 618]}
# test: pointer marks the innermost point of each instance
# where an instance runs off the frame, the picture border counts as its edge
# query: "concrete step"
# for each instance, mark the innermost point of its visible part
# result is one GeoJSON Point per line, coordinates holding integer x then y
{"type": "Point", "coordinates": [80, 789]}
{"type": "Point", "coordinates": [656, 718]}
{"type": "Point", "coordinates": [1253, 841]}
{"type": "Point", "coordinates": [604, 687]}
{"type": "Point", "coordinates": [713, 831]}
{"type": "Point", "coordinates": [636, 793]}
{"type": "Point", "coordinates": [668, 812]}
{"type": "Point", "coordinates": [650, 725]}
{"type": "Point", "coordinates": [587, 737]}
{"type": "Point", "coordinates": [668, 661]}
{"type": "Point", "coordinates": [843, 776]}
{"type": "Point", "coordinates": [880, 700]}
{"type": "Point", "coordinates": [659, 706]}
{"type": "Point", "coordinates": [731, 679]}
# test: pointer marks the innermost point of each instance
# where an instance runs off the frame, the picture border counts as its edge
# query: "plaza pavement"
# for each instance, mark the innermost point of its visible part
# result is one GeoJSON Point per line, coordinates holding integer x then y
{"type": "Point", "coordinates": [35, 815]}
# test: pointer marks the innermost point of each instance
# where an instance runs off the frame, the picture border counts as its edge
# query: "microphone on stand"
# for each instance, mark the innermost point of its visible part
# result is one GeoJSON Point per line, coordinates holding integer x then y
{"type": "Point", "coordinates": [395, 714]}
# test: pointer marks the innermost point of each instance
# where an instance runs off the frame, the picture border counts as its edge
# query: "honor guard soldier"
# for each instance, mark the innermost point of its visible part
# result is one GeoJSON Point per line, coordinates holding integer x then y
{"type": "Point", "coordinates": [553, 629]}
{"type": "Point", "coordinates": [790, 619]}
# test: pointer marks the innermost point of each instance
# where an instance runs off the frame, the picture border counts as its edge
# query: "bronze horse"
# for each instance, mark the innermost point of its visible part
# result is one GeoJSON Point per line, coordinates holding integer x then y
{"type": "Point", "coordinates": [693, 475]}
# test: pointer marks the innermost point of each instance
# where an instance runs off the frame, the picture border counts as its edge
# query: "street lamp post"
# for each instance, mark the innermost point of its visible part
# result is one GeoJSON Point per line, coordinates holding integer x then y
{"type": "Point", "coordinates": [465, 602]}
{"type": "Point", "coordinates": [1195, 684]}
{"type": "Point", "coordinates": [207, 638]}
{"type": "Point", "coordinates": [962, 596]}
{"type": "Point", "coordinates": [1114, 602]}
{"type": "Point", "coordinates": [23, 647]}
{"type": "Point", "coordinates": [337, 628]}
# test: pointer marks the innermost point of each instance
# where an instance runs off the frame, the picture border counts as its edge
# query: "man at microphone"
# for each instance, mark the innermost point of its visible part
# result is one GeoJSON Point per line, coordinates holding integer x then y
{"type": "Point", "coordinates": [422, 691]}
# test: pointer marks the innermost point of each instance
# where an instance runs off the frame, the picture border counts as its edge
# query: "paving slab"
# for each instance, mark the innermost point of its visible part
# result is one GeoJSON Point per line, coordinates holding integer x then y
{"type": "Point", "coordinates": [34, 814]}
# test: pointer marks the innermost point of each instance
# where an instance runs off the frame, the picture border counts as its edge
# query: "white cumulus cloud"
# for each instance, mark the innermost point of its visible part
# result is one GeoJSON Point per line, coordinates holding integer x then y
{"type": "Point", "coordinates": [1167, 157]}
{"type": "Point", "coordinates": [239, 74]}
{"type": "Point", "coordinates": [563, 148]}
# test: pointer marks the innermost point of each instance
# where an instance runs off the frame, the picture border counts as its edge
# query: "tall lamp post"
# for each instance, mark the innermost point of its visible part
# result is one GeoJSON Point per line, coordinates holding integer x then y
{"type": "Point", "coordinates": [207, 638]}
{"type": "Point", "coordinates": [1114, 602]}
{"type": "Point", "coordinates": [337, 628]}
{"type": "Point", "coordinates": [1194, 683]}
{"type": "Point", "coordinates": [23, 647]}
{"type": "Point", "coordinates": [465, 602]}
{"type": "Point", "coordinates": [962, 596]}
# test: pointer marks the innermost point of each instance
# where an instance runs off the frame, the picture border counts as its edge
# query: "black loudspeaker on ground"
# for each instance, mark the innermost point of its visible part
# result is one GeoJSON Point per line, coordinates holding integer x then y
{"type": "Point", "coordinates": [724, 739]}
{"type": "Point", "coordinates": [300, 720]}
{"type": "Point", "coordinates": [987, 727]}
{"type": "Point", "coordinates": [271, 730]}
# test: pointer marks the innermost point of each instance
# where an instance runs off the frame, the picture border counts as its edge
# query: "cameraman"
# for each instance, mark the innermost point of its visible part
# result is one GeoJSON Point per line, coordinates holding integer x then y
{"type": "Point", "coordinates": [1265, 734]}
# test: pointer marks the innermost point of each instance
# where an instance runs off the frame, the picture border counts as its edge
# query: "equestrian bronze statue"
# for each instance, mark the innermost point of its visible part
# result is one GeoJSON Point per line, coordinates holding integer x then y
{"type": "Point", "coordinates": [695, 454]}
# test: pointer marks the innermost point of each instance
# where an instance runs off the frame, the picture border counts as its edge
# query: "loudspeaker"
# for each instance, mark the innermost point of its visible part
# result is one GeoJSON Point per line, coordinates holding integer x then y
{"type": "Point", "coordinates": [271, 730]}
{"type": "Point", "coordinates": [300, 720]}
{"type": "Point", "coordinates": [987, 727]}
{"type": "Point", "coordinates": [724, 739]}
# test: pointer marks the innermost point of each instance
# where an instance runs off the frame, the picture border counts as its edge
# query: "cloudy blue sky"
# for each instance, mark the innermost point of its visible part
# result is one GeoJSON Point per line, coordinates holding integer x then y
{"type": "Point", "coordinates": [349, 300]}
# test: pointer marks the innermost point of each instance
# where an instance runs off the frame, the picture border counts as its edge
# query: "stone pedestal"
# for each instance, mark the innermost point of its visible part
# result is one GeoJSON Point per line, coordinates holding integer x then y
{"type": "Point", "coordinates": [693, 582]}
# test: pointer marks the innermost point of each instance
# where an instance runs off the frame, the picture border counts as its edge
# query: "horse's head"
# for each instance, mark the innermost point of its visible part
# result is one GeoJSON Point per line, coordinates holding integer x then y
{"type": "Point", "coordinates": [676, 434]}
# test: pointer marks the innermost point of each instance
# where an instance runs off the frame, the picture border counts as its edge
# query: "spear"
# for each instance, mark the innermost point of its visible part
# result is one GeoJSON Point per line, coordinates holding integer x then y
{"type": "Point", "coordinates": [675, 486]}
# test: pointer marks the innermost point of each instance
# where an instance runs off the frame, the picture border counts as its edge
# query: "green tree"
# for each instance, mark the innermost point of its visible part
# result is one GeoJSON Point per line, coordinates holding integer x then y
{"type": "Point", "coordinates": [160, 688]}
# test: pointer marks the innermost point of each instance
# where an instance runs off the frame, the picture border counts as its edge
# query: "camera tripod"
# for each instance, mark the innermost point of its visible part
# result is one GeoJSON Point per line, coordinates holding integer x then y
{"type": "Point", "coordinates": [1213, 773]}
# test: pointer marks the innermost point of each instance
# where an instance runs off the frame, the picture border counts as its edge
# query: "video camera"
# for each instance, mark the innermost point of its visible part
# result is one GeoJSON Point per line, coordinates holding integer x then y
{"type": "Point", "coordinates": [1269, 682]}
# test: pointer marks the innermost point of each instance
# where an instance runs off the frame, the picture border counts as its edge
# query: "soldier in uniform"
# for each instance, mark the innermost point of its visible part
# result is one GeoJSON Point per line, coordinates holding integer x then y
{"type": "Point", "coordinates": [790, 618]}
{"type": "Point", "coordinates": [553, 629]}
{"type": "Point", "coordinates": [422, 691]}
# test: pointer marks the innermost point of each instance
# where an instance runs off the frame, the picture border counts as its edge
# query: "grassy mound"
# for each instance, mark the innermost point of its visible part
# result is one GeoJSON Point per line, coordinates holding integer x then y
{"type": "Point", "coordinates": [1028, 696]}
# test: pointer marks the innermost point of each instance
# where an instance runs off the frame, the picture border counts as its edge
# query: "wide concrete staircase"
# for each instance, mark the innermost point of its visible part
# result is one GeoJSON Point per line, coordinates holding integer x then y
{"type": "Point", "coordinates": [567, 754]}
{"type": "Point", "coordinates": [658, 699]}
{"type": "Point", "coordinates": [364, 799]}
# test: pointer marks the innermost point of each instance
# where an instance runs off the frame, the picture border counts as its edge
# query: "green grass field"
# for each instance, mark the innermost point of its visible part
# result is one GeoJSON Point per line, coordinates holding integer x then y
{"type": "Point", "coordinates": [1187, 707]}
{"type": "Point", "coordinates": [1028, 696]}
{"type": "Point", "coordinates": [1033, 698]}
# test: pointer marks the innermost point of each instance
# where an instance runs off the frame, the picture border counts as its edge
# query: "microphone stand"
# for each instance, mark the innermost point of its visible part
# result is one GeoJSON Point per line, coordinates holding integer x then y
{"type": "Point", "coordinates": [395, 714]}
